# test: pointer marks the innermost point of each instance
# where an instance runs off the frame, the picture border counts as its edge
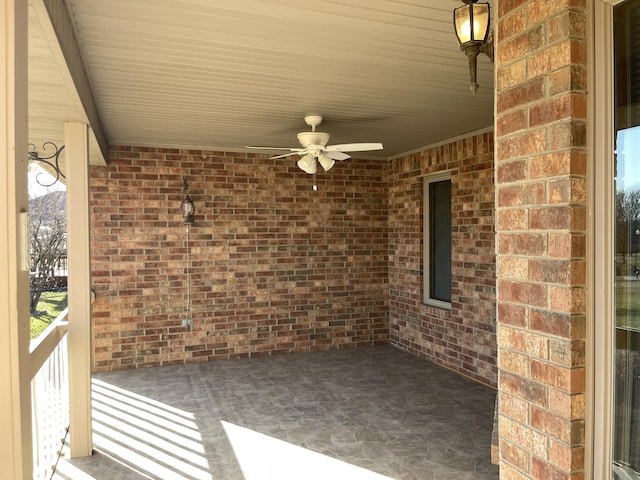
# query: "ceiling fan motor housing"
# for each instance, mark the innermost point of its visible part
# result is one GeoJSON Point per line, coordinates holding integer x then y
{"type": "Point", "coordinates": [313, 138]}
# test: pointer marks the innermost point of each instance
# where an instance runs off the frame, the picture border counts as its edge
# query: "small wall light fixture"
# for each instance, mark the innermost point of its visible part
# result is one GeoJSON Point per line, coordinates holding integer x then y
{"type": "Point", "coordinates": [186, 207]}
{"type": "Point", "coordinates": [472, 22]}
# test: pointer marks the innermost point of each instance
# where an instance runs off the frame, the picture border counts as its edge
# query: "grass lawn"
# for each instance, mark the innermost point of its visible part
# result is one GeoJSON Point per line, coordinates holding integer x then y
{"type": "Point", "coordinates": [52, 303]}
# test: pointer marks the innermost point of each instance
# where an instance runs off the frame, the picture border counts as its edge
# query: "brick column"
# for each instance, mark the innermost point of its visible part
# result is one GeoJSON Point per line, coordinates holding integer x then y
{"type": "Point", "coordinates": [541, 228]}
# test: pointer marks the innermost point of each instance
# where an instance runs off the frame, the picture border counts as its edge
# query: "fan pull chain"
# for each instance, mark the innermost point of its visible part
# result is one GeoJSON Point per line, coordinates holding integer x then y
{"type": "Point", "coordinates": [315, 186]}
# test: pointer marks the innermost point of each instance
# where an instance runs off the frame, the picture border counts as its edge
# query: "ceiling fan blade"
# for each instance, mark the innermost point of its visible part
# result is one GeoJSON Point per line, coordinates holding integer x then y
{"type": "Point", "coordinates": [299, 151]}
{"type": "Point", "coordinates": [354, 147]}
{"type": "Point", "coordinates": [267, 148]}
{"type": "Point", "coordinates": [272, 148]}
{"type": "Point", "coordinates": [337, 155]}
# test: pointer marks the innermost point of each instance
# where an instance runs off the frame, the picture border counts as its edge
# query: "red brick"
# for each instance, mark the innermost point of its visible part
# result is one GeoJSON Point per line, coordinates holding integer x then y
{"type": "Point", "coordinates": [567, 458]}
{"type": "Point", "coordinates": [567, 134]}
{"type": "Point", "coordinates": [507, 472]}
{"type": "Point", "coordinates": [567, 354]}
{"type": "Point", "coordinates": [511, 25]}
{"type": "Point", "coordinates": [558, 324]}
{"type": "Point", "coordinates": [570, 105]}
{"type": "Point", "coordinates": [549, 59]}
{"type": "Point", "coordinates": [569, 380]}
{"type": "Point", "coordinates": [570, 23]}
{"type": "Point", "coordinates": [571, 406]}
{"type": "Point", "coordinates": [522, 292]}
{"type": "Point", "coordinates": [557, 218]}
{"type": "Point", "coordinates": [512, 48]}
{"type": "Point", "coordinates": [520, 95]}
{"type": "Point", "coordinates": [560, 271]}
{"type": "Point", "coordinates": [527, 143]}
{"type": "Point", "coordinates": [567, 245]}
{"type": "Point", "coordinates": [567, 299]}
{"type": "Point", "coordinates": [511, 122]}
{"type": "Point", "coordinates": [510, 75]}
{"type": "Point", "coordinates": [529, 244]}
{"type": "Point", "coordinates": [517, 457]}
{"type": "Point", "coordinates": [512, 171]}
{"type": "Point", "coordinates": [513, 268]}
{"type": "Point", "coordinates": [570, 78]}
{"type": "Point", "coordinates": [542, 470]}
{"type": "Point", "coordinates": [552, 425]}
{"type": "Point", "coordinates": [523, 341]}
{"type": "Point", "coordinates": [522, 435]}
{"type": "Point", "coordinates": [505, 7]}
{"type": "Point", "coordinates": [540, 10]}
{"type": "Point", "coordinates": [512, 314]}
{"type": "Point", "coordinates": [515, 363]}
{"type": "Point", "coordinates": [567, 190]}
{"type": "Point", "coordinates": [522, 194]}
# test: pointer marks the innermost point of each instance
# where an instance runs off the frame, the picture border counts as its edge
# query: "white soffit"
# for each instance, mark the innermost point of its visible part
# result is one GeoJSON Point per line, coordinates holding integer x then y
{"type": "Point", "coordinates": [230, 73]}
{"type": "Point", "coordinates": [53, 98]}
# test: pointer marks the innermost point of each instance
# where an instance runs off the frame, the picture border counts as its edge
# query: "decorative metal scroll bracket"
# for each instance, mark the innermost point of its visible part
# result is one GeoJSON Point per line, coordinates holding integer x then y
{"type": "Point", "coordinates": [53, 161]}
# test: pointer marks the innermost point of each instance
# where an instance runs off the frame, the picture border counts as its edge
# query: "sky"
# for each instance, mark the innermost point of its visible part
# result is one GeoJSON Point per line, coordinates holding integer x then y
{"type": "Point", "coordinates": [37, 173]}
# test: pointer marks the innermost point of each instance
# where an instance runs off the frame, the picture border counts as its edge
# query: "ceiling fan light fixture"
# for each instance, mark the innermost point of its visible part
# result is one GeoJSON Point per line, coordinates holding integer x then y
{"type": "Point", "coordinates": [326, 162]}
{"type": "Point", "coordinates": [308, 164]}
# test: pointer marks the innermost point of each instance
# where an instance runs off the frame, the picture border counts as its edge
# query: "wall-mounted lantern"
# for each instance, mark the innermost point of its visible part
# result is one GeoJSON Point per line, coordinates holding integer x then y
{"type": "Point", "coordinates": [186, 207]}
{"type": "Point", "coordinates": [472, 23]}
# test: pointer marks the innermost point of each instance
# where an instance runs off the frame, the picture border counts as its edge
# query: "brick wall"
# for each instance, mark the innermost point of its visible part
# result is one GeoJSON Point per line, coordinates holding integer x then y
{"type": "Point", "coordinates": [541, 225]}
{"type": "Point", "coordinates": [275, 266]}
{"type": "Point", "coordinates": [462, 338]}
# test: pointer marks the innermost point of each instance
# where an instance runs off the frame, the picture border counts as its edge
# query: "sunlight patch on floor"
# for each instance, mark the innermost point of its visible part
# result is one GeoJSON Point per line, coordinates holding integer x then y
{"type": "Point", "coordinates": [67, 470]}
{"type": "Point", "coordinates": [262, 457]}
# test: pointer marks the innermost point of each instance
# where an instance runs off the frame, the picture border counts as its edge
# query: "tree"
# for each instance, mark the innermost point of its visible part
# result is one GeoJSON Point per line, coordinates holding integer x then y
{"type": "Point", "coordinates": [48, 241]}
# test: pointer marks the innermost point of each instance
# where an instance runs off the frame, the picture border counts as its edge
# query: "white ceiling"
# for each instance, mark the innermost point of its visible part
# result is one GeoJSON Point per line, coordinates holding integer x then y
{"type": "Point", "coordinates": [228, 73]}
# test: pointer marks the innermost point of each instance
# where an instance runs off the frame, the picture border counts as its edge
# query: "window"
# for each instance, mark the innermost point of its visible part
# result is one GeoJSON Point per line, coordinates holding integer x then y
{"type": "Point", "coordinates": [626, 327]}
{"type": "Point", "coordinates": [437, 240]}
{"type": "Point", "coordinates": [615, 325]}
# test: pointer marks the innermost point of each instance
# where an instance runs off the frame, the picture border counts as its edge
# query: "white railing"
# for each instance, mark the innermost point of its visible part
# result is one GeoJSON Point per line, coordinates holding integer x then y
{"type": "Point", "coordinates": [49, 395]}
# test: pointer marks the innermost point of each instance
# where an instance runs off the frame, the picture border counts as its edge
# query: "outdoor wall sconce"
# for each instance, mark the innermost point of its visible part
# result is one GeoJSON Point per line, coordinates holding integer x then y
{"type": "Point", "coordinates": [186, 207]}
{"type": "Point", "coordinates": [472, 22]}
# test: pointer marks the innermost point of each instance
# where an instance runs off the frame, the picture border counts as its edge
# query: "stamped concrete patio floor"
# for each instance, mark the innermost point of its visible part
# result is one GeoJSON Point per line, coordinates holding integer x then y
{"type": "Point", "coordinates": [370, 413]}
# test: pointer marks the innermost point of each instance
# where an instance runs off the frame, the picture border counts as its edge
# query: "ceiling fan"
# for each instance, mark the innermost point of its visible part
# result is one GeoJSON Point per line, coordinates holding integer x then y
{"type": "Point", "coordinates": [315, 149]}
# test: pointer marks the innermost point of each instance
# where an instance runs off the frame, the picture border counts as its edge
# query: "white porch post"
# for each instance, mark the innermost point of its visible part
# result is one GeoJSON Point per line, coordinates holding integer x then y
{"type": "Point", "coordinates": [15, 397]}
{"type": "Point", "coordinates": [79, 291]}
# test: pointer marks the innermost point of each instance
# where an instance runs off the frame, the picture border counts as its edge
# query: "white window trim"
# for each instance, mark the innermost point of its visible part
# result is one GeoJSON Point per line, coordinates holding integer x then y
{"type": "Point", "coordinates": [600, 338]}
{"type": "Point", "coordinates": [426, 180]}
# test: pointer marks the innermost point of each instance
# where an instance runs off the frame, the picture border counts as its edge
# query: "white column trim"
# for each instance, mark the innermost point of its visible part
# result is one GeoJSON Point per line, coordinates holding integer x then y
{"type": "Point", "coordinates": [79, 288]}
{"type": "Point", "coordinates": [16, 449]}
